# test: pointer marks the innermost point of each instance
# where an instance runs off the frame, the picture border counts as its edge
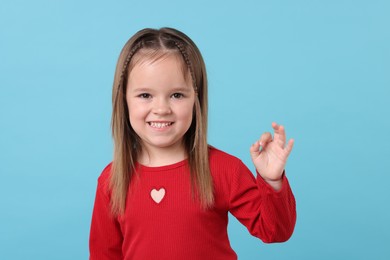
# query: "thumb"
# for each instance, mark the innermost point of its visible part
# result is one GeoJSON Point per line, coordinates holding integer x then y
{"type": "Point", "coordinates": [255, 150]}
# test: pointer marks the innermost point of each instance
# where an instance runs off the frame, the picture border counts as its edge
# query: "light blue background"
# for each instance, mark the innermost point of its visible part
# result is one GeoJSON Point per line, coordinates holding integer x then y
{"type": "Point", "coordinates": [321, 68]}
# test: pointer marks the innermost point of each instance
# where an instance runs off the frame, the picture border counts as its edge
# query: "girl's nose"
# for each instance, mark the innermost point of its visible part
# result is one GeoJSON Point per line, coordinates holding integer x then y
{"type": "Point", "coordinates": [162, 107]}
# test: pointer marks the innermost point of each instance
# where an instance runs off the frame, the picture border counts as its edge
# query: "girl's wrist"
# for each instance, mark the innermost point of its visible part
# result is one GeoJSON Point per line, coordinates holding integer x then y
{"type": "Point", "coordinates": [275, 184]}
{"type": "Point", "coordinates": [271, 180]}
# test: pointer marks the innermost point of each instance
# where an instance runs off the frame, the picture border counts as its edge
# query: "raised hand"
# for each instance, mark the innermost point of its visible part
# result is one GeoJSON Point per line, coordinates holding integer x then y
{"type": "Point", "coordinates": [269, 155]}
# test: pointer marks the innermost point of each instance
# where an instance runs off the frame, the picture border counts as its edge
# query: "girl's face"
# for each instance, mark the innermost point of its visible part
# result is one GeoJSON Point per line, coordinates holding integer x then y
{"type": "Point", "coordinates": [160, 101]}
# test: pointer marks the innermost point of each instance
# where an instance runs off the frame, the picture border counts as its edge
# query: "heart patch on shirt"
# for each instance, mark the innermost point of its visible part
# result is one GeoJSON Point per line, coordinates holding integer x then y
{"type": "Point", "coordinates": [157, 195]}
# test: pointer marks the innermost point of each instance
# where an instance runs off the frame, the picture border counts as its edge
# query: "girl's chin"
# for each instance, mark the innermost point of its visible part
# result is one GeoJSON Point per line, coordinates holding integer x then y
{"type": "Point", "coordinates": [165, 145]}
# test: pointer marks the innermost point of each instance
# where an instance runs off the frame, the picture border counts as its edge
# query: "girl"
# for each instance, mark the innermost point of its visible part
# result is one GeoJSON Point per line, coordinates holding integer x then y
{"type": "Point", "coordinates": [167, 194]}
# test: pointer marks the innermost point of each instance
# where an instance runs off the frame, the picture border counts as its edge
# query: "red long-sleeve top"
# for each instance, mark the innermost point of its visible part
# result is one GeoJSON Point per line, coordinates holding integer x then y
{"type": "Point", "coordinates": [162, 221]}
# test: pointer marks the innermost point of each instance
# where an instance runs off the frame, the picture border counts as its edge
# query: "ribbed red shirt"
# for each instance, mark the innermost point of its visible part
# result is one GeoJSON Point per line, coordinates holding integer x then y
{"type": "Point", "coordinates": [171, 225]}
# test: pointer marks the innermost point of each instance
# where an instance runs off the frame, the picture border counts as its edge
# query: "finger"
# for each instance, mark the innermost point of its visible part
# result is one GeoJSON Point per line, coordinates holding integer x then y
{"type": "Point", "coordinates": [254, 149]}
{"type": "Point", "coordinates": [265, 139]}
{"type": "Point", "coordinates": [279, 134]}
{"type": "Point", "coordinates": [289, 146]}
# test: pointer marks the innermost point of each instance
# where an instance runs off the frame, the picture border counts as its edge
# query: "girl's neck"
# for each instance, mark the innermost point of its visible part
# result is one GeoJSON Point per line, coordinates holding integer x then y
{"type": "Point", "coordinates": [162, 156]}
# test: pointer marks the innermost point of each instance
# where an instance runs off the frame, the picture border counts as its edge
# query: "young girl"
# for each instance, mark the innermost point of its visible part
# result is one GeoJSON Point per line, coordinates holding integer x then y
{"type": "Point", "coordinates": [167, 194]}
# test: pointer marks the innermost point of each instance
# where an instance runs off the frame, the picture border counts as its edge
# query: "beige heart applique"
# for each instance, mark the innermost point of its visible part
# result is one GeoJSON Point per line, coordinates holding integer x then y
{"type": "Point", "coordinates": [157, 195]}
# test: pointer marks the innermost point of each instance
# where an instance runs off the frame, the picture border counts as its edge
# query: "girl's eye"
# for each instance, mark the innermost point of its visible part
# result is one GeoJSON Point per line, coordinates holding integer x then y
{"type": "Point", "coordinates": [145, 95]}
{"type": "Point", "coordinates": [177, 95]}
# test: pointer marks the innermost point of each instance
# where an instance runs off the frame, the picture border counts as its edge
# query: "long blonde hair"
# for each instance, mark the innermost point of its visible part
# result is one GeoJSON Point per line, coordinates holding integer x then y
{"type": "Point", "coordinates": [127, 146]}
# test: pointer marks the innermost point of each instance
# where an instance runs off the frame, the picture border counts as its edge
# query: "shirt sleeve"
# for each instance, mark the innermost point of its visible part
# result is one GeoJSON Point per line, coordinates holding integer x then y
{"type": "Point", "coordinates": [267, 214]}
{"type": "Point", "coordinates": [106, 238]}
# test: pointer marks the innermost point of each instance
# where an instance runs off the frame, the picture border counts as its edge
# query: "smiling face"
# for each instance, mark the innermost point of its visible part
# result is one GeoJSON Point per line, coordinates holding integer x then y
{"type": "Point", "coordinates": [160, 100]}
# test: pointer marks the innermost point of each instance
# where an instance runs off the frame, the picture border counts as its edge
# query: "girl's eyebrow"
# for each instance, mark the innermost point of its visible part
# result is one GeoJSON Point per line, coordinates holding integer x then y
{"type": "Point", "coordinates": [182, 89]}
{"type": "Point", "coordinates": [142, 90]}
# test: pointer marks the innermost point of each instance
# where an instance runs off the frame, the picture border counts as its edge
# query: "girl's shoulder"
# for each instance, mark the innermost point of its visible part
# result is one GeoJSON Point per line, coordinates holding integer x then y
{"type": "Point", "coordinates": [106, 171]}
{"type": "Point", "coordinates": [228, 172]}
{"type": "Point", "coordinates": [104, 180]}
{"type": "Point", "coordinates": [105, 174]}
{"type": "Point", "coordinates": [217, 154]}
{"type": "Point", "coordinates": [219, 158]}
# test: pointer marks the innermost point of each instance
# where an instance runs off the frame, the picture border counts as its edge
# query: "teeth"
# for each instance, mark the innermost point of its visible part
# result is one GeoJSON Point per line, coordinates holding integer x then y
{"type": "Point", "coordinates": [159, 125]}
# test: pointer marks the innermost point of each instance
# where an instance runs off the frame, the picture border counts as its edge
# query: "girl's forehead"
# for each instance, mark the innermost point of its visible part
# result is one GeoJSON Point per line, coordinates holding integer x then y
{"type": "Point", "coordinates": [165, 71]}
{"type": "Point", "coordinates": [148, 57]}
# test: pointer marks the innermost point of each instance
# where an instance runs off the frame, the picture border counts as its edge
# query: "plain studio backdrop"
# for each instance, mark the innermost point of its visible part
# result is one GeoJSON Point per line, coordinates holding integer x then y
{"type": "Point", "coordinates": [321, 68]}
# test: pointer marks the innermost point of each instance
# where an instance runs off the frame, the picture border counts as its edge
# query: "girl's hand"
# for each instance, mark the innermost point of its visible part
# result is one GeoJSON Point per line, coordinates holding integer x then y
{"type": "Point", "coordinates": [270, 155]}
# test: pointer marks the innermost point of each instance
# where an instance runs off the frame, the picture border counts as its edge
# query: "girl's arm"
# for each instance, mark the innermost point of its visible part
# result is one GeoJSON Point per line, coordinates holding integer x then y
{"type": "Point", "coordinates": [105, 240]}
{"type": "Point", "coordinates": [267, 214]}
{"type": "Point", "coordinates": [266, 206]}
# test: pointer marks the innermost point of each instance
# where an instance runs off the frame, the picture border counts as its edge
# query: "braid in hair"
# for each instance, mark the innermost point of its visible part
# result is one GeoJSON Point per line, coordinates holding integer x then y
{"type": "Point", "coordinates": [130, 55]}
{"type": "Point", "coordinates": [188, 62]}
{"type": "Point", "coordinates": [121, 90]}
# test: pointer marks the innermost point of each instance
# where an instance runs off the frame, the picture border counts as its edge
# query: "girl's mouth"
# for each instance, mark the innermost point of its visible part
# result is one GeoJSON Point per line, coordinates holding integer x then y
{"type": "Point", "coordinates": [160, 125]}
